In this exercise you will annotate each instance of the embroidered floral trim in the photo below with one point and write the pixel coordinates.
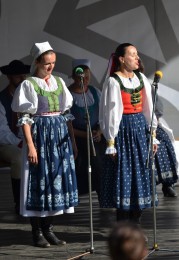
(141, 201)
(166, 175)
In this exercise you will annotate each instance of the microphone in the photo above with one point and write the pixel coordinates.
(79, 72)
(157, 76)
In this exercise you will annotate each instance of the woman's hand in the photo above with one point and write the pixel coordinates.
(32, 154)
(75, 149)
(96, 135)
(72, 137)
(155, 147)
(113, 156)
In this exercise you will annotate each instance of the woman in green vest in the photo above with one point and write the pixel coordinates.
(48, 175)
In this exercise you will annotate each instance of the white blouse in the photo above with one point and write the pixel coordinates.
(111, 105)
(25, 98)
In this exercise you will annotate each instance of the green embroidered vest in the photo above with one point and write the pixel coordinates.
(48, 101)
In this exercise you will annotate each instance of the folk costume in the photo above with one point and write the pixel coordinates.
(50, 187)
(165, 158)
(125, 116)
(78, 110)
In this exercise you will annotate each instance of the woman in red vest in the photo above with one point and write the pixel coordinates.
(125, 115)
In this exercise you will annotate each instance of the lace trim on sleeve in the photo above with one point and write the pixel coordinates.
(25, 119)
(68, 116)
(110, 150)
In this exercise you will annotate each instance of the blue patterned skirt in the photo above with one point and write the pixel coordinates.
(52, 183)
(127, 183)
(165, 159)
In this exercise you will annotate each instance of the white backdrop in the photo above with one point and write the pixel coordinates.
(93, 29)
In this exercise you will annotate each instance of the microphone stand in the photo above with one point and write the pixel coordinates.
(151, 155)
(89, 141)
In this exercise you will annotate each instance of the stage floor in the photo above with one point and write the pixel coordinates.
(15, 231)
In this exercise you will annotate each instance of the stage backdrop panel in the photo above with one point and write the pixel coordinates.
(93, 29)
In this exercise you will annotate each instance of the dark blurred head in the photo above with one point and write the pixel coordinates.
(15, 71)
(127, 242)
(86, 72)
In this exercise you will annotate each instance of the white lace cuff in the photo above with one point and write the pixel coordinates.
(69, 117)
(25, 119)
(155, 141)
(110, 150)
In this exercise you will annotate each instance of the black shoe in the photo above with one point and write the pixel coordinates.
(122, 215)
(135, 216)
(169, 191)
(47, 229)
(51, 237)
(39, 239)
(37, 235)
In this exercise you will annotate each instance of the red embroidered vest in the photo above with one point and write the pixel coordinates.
(132, 105)
(131, 98)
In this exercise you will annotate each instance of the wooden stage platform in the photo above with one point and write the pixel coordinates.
(15, 231)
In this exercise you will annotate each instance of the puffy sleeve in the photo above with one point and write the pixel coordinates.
(25, 98)
(25, 102)
(110, 112)
(67, 98)
(147, 103)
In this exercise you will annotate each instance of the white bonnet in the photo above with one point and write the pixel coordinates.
(79, 62)
(36, 50)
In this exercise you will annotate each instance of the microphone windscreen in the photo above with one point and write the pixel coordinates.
(79, 71)
(159, 74)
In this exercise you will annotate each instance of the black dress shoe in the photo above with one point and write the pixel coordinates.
(122, 215)
(135, 216)
(169, 191)
(37, 235)
(39, 240)
(52, 239)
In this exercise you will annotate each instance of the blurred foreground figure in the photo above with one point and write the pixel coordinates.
(127, 242)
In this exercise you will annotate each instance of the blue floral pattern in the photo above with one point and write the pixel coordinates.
(52, 183)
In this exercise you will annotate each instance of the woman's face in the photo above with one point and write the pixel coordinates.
(46, 65)
(86, 79)
(130, 61)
